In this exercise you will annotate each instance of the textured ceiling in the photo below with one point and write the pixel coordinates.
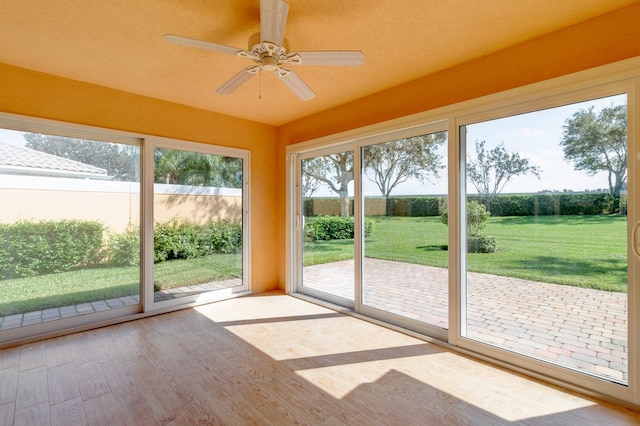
(118, 44)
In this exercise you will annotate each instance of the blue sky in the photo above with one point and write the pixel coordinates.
(535, 136)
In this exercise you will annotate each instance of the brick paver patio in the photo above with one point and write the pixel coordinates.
(576, 327)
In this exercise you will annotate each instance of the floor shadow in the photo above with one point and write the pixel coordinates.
(434, 247)
(555, 266)
(553, 220)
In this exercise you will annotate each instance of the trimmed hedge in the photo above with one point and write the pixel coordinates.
(415, 206)
(124, 249)
(588, 203)
(28, 248)
(324, 228)
(591, 203)
(175, 240)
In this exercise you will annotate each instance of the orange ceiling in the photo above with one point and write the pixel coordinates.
(119, 44)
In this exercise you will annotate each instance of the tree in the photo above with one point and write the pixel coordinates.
(333, 170)
(309, 185)
(120, 161)
(597, 142)
(192, 168)
(392, 163)
(492, 169)
(168, 166)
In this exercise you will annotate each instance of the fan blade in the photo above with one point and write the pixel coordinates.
(331, 57)
(273, 19)
(201, 44)
(237, 80)
(296, 84)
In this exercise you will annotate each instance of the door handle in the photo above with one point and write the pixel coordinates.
(634, 240)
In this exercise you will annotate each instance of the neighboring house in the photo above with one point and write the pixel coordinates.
(17, 160)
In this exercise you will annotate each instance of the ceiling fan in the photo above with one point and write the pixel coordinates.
(269, 50)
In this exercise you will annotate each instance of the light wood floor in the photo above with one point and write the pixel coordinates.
(271, 360)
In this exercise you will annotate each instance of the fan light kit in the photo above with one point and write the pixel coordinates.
(269, 50)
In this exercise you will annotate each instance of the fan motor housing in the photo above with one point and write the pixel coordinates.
(269, 63)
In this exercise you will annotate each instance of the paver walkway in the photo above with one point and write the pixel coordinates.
(576, 327)
(52, 314)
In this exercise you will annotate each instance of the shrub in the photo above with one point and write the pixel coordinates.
(220, 237)
(477, 217)
(124, 249)
(481, 244)
(166, 238)
(182, 240)
(33, 248)
(324, 228)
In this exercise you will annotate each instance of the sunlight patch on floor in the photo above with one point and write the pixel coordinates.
(301, 337)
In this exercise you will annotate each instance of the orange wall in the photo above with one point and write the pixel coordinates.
(603, 40)
(45, 96)
(599, 41)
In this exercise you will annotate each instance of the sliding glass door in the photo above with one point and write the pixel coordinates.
(546, 236)
(326, 225)
(371, 232)
(508, 229)
(198, 228)
(541, 234)
(404, 269)
(98, 225)
(69, 230)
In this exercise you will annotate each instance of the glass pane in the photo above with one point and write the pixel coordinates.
(197, 209)
(547, 236)
(327, 194)
(406, 242)
(69, 227)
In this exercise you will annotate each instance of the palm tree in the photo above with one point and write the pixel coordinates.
(197, 169)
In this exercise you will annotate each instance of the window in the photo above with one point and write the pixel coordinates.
(69, 227)
(371, 234)
(81, 223)
(527, 236)
(328, 224)
(404, 271)
(546, 215)
(198, 227)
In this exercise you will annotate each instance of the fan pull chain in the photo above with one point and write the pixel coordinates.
(259, 85)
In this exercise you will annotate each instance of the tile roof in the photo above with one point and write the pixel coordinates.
(27, 159)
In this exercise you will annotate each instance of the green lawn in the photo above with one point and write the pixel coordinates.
(585, 251)
(74, 287)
